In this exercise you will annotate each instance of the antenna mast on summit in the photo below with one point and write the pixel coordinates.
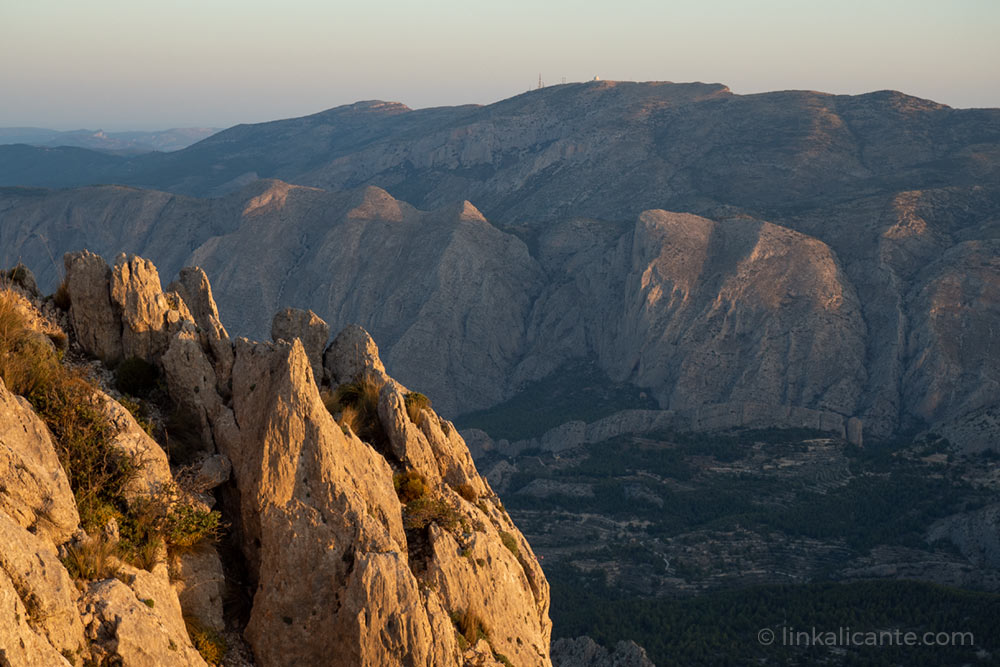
(539, 81)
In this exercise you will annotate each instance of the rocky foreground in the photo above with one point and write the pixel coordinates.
(355, 527)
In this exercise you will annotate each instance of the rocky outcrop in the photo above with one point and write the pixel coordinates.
(954, 346)
(585, 652)
(48, 617)
(36, 494)
(121, 313)
(193, 287)
(315, 499)
(292, 323)
(95, 321)
(352, 354)
(30, 565)
(341, 568)
(138, 623)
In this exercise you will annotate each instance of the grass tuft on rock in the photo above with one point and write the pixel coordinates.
(470, 626)
(416, 403)
(355, 405)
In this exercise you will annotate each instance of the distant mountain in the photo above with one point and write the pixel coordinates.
(839, 255)
(125, 143)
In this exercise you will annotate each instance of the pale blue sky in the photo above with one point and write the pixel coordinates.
(133, 64)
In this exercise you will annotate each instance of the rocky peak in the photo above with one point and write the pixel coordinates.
(367, 532)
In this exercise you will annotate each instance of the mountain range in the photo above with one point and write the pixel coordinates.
(124, 143)
(791, 258)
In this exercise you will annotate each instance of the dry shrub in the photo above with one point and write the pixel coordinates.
(409, 486)
(91, 560)
(28, 362)
(466, 491)
(416, 403)
(470, 626)
(426, 510)
(61, 297)
(209, 643)
(355, 404)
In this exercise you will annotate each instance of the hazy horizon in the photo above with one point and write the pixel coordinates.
(121, 66)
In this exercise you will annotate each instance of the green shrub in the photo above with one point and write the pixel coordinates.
(185, 525)
(409, 486)
(423, 511)
(416, 403)
(136, 377)
(510, 542)
(209, 643)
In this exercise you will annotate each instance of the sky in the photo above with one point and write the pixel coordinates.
(135, 64)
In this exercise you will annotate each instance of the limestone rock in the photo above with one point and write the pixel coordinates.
(352, 354)
(194, 288)
(956, 309)
(154, 475)
(22, 645)
(205, 473)
(20, 277)
(322, 528)
(192, 381)
(200, 582)
(585, 652)
(36, 493)
(292, 323)
(976, 534)
(312, 502)
(855, 431)
(127, 627)
(148, 316)
(95, 319)
(30, 565)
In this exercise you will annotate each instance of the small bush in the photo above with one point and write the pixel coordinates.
(510, 542)
(416, 403)
(91, 560)
(185, 525)
(61, 297)
(18, 276)
(470, 626)
(209, 643)
(136, 377)
(467, 492)
(423, 511)
(409, 486)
